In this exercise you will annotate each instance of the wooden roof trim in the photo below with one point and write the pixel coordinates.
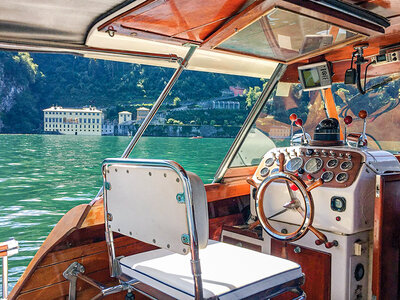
(142, 7)
(260, 8)
(246, 17)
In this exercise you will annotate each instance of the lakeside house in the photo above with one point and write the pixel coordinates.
(108, 127)
(141, 113)
(73, 121)
(124, 116)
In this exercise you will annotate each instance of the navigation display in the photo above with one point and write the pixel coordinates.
(315, 76)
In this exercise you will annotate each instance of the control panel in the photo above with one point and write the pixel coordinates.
(337, 167)
(344, 202)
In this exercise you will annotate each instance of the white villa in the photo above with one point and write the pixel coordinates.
(76, 121)
(124, 116)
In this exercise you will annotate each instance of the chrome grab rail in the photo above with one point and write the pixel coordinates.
(7, 248)
(194, 243)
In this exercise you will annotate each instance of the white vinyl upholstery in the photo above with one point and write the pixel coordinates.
(228, 271)
(141, 197)
(143, 203)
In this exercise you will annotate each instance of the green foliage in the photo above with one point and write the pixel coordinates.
(174, 122)
(253, 93)
(212, 117)
(177, 102)
(71, 81)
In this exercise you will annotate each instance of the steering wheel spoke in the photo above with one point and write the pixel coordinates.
(305, 206)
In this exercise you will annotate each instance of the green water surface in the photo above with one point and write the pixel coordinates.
(44, 176)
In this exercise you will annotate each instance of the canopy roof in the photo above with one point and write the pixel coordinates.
(244, 37)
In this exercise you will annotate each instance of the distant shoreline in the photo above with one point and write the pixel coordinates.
(151, 136)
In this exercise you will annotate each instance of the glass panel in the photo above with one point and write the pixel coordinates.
(285, 35)
(382, 104)
(272, 126)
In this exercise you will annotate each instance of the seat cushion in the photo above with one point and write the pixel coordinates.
(228, 271)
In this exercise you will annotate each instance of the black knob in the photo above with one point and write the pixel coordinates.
(300, 171)
(310, 151)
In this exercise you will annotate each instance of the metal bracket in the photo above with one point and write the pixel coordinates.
(71, 274)
(107, 185)
(184, 62)
(180, 198)
(185, 239)
(116, 270)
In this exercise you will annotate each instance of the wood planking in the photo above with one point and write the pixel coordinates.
(182, 19)
(216, 224)
(80, 235)
(316, 266)
(386, 247)
(51, 274)
(217, 191)
(68, 223)
(89, 249)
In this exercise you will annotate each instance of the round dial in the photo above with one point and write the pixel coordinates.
(294, 164)
(342, 177)
(339, 204)
(346, 165)
(276, 170)
(313, 165)
(327, 176)
(332, 163)
(269, 162)
(264, 172)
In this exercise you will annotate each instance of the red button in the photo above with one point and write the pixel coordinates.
(309, 177)
(323, 170)
(293, 187)
(338, 218)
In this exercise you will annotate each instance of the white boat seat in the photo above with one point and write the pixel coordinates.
(158, 202)
(228, 272)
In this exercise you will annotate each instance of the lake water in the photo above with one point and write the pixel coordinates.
(44, 176)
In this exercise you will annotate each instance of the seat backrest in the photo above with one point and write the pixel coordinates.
(147, 200)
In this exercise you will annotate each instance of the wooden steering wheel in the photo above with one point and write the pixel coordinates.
(307, 213)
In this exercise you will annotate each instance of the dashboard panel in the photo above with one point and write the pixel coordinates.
(338, 166)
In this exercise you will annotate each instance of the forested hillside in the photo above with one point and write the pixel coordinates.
(32, 82)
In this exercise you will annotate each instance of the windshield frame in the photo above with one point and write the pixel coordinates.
(247, 125)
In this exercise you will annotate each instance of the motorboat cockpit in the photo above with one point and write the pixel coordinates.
(305, 203)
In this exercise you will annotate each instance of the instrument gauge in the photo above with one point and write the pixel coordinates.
(294, 164)
(327, 176)
(276, 170)
(332, 163)
(264, 172)
(313, 165)
(342, 177)
(338, 203)
(346, 165)
(269, 162)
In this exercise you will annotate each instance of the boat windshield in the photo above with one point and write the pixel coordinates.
(272, 126)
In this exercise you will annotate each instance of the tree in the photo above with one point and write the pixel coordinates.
(177, 102)
(252, 95)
